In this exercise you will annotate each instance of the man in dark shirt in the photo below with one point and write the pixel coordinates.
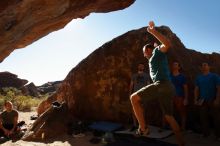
(8, 120)
(207, 98)
(180, 99)
(138, 81)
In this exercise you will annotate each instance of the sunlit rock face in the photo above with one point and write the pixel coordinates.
(25, 21)
(97, 88)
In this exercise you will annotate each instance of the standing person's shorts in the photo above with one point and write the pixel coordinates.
(163, 91)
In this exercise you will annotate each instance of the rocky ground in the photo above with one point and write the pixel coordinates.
(192, 139)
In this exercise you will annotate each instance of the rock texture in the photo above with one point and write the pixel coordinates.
(31, 90)
(97, 88)
(8, 79)
(53, 127)
(49, 87)
(25, 21)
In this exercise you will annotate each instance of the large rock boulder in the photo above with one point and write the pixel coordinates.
(97, 88)
(49, 87)
(50, 124)
(31, 90)
(8, 79)
(25, 21)
(36, 91)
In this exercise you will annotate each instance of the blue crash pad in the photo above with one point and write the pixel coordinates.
(105, 126)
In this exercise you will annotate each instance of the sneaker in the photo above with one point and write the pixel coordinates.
(139, 132)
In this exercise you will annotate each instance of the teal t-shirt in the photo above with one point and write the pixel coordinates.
(158, 65)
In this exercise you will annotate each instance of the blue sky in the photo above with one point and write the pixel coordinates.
(196, 23)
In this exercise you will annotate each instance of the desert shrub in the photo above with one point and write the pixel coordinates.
(2, 101)
(20, 102)
(10, 91)
(25, 103)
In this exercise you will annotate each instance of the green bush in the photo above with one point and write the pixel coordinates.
(24, 103)
(20, 102)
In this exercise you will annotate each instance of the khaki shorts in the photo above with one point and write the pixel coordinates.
(163, 91)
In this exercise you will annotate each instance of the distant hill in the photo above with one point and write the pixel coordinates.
(8, 79)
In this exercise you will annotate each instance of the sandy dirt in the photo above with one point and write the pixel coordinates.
(64, 140)
(192, 139)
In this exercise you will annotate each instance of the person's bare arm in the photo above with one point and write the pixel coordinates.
(217, 99)
(6, 132)
(165, 42)
(185, 87)
(14, 124)
(196, 94)
(1, 126)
